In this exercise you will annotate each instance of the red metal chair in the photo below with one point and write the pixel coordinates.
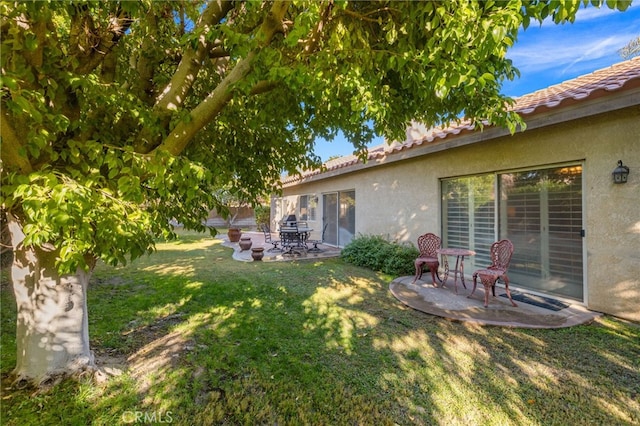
(428, 244)
(501, 252)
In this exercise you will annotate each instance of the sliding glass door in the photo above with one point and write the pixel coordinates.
(469, 216)
(339, 212)
(540, 211)
(330, 217)
(542, 216)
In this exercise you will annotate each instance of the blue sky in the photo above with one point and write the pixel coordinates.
(550, 54)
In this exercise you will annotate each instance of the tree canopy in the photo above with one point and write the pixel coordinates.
(118, 116)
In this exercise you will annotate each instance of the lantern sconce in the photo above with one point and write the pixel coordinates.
(620, 173)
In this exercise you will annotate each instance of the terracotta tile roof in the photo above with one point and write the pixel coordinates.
(607, 79)
(589, 86)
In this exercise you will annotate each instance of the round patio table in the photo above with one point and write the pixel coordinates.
(460, 254)
(294, 238)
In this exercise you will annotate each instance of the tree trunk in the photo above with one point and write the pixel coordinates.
(52, 332)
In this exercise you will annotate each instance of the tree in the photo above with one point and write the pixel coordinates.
(631, 49)
(119, 116)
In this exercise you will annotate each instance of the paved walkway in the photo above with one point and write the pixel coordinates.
(442, 301)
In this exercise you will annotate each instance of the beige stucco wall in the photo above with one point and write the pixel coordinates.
(402, 199)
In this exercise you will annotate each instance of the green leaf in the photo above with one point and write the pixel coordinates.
(498, 33)
(488, 76)
(9, 82)
(30, 42)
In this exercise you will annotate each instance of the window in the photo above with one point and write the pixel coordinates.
(307, 207)
(469, 215)
(540, 211)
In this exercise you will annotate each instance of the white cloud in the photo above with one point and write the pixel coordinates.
(550, 54)
(597, 49)
(596, 34)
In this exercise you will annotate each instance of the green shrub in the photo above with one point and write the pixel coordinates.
(377, 253)
(263, 214)
(400, 260)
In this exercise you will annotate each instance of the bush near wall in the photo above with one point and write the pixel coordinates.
(377, 253)
(263, 214)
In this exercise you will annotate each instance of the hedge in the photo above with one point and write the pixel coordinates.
(379, 254)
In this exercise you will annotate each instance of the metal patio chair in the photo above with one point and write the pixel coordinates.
(428, 244)
(501, 252)
(320, 241)
(292, 240)
(268, 239)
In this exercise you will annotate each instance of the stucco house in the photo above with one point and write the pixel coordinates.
(549, 189)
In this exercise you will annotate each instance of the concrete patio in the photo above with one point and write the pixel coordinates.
(257, 240)
(442, 301)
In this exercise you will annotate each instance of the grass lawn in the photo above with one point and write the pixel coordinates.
(203, 339)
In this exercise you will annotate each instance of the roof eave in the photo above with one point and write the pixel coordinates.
(540, 117)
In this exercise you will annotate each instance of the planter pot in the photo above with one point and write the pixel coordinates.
(257, 253)
(245, 243)
(234, 234)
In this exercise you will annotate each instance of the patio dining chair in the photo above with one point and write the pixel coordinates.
(292, 241)
(501, 252)
(428, 244)
(268, 239)
(320, 241)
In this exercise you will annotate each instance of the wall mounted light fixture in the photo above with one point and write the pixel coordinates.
(620, 173)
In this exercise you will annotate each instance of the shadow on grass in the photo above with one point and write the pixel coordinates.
(206, 340)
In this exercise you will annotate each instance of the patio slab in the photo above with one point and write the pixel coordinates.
(443, 302)
(257, 240)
